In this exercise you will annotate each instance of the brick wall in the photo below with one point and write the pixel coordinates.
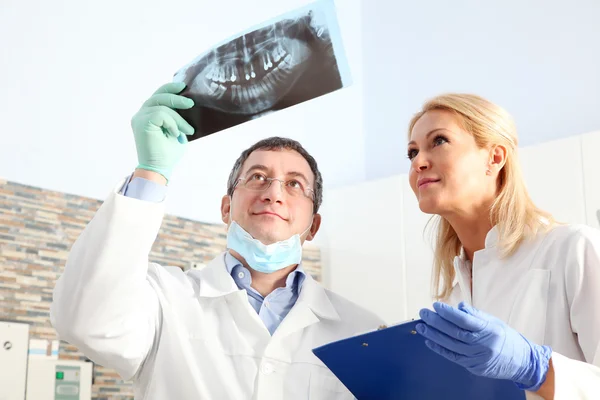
(37, 229)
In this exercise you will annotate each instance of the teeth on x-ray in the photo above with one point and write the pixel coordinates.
(229, 73)
(318, 23)
(252, 73)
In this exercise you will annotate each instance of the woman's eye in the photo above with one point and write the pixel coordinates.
(439, 140)
(412, 153)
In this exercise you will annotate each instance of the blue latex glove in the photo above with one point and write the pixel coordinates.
(159, 131)
(484, 345)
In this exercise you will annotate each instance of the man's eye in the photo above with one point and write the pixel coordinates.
(295, 184)
(257, 177)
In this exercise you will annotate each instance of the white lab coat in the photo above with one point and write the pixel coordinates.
(190, 335)
(549, 291)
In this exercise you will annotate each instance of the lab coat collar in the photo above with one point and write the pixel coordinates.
(463, 268)
(215, 281)
(491, 240)
(312, 306)
(313, 294)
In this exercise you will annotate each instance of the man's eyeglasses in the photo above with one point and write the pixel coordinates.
(294, 187)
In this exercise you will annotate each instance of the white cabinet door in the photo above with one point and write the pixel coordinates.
(14, 349)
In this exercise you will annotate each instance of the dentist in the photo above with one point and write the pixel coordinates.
(241, 328)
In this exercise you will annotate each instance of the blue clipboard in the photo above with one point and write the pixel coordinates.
(394, 363)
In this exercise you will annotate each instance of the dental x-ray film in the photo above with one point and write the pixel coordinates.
(288, 60)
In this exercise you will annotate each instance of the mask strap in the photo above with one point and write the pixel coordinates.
(312, 219)
(230, 210)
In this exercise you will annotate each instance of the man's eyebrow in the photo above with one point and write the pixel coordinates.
(266, 169)
(257, 166)
(299, 174)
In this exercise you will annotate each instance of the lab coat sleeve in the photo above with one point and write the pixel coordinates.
(103, 302)
(574, 379)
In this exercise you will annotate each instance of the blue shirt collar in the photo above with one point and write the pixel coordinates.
(293, 281)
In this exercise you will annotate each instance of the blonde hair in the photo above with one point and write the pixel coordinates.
(512, 212)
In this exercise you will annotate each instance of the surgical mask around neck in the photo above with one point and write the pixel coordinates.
(261, 257)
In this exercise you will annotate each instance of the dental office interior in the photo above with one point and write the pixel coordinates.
(73, 74)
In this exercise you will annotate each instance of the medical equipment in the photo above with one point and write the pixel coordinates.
(51, 379)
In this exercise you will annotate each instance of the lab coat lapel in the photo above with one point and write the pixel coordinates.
(312, 305)
(463, 276)
(217, 284)
(463, 268)
(214, 280)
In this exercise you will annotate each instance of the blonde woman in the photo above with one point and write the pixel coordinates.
(518, 294)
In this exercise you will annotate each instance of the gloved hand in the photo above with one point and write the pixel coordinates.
(159, 131)
(484, 345)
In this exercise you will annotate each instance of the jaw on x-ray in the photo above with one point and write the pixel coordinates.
(282, 63)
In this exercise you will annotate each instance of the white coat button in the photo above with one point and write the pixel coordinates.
(267, 369)
(241, 275)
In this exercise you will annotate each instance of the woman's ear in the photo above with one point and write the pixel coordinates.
(497, 158)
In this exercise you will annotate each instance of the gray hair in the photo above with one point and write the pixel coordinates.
(279, 143)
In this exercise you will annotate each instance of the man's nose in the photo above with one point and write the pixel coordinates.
(274, 192)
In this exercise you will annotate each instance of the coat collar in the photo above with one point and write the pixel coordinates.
(491, 240)
(313, 294)
(215, 281)
(463, 268)
(312, 306)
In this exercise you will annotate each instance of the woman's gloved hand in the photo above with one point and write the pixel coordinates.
(484, 345)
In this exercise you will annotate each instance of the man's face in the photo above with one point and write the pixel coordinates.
(279, 211)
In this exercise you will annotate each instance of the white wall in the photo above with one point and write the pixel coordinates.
(554, 175)
(73, 73)
(590, 146)
(358, 260)
(374, 248)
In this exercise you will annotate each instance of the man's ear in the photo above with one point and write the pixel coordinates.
(314, 228)
(225, 209)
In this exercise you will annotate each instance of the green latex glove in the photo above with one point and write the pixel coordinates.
(160, 132)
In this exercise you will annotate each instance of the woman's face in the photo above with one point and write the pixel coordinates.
(449, 173)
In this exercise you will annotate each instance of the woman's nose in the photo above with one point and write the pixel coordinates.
(420, 162)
